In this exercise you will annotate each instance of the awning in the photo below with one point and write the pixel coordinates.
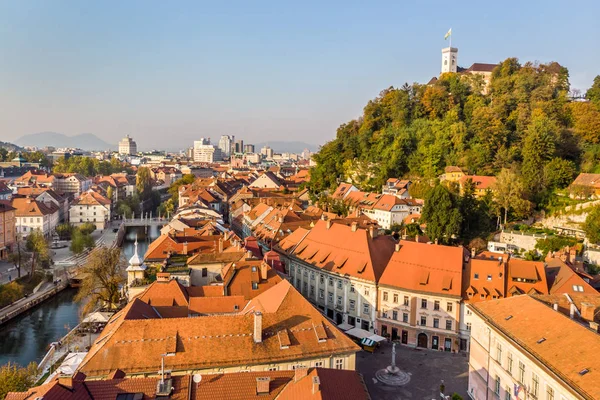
(98, 317)
(358, 333)
(376, 338)
(344, 326)
(368, 342)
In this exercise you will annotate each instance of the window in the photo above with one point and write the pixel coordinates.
(321, 293)
(330, 281)
(424, 303)
(423, 321)
(339, 363)
(499, 353)
(535, 385)
(549, 393)
(272, 368)
(521, 372)
(405, 300)
(577, 288)
(330, 297)
(489, 278)
(507, 392)
(436, 305)
(254, 286)
(305, 273)
(339, 301)
(396, 298)
(312, 290)
(305, 287)
(476, 276)
(318, 364)
(395, 315)
(204, 272)
(352, 289)
(366, 291)
(385, 296)
(38, 220)
(384, 314)
(321, 279)
(449, 307)
(449, 324)
(497, 387)
(352, 305)
(339, 284)
(436, 323)
(365, 309)
(509, 363)
(291, 269)
(405, 318)
(469, 326)
(312, 276)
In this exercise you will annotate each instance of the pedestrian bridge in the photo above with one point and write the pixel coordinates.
(144, 221)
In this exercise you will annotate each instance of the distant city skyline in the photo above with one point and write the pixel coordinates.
(169, 74)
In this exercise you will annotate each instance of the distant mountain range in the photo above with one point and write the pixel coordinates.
(289, 147)
(84, 141)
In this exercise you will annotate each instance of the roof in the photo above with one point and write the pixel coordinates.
(340, 249)
(481, 182)
(484, 279)
(568, 348)
(217, 341)
(592, 180)
(481, 67)
(91, 198)
(26, 207)
(423, 267)
(525, 277)
(452, 168)
(563, 279)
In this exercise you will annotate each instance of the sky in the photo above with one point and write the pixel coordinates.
(170, 72)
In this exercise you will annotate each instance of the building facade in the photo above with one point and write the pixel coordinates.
(225, 144)
(90, 207)
(7, 229)
(127, 146)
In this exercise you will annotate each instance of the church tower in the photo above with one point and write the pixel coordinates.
(449, 59)
(136, 269)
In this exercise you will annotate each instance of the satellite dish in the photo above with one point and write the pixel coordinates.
(197, 378)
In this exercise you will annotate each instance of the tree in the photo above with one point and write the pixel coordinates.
(442, 215)
(87, 228)
(14, 378)
(559, 173)
(593, 93)
(538, 149)
(18, 258)
(143, 182)
(64, 231)
(38, 246)
(110, 193)
(509, 194)
(475, 215)
(554, 243)
(103, 277)
(592, 225)
(81, 240)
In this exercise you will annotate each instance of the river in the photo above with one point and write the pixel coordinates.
(27, 337)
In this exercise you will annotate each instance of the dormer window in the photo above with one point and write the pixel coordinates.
(476, 276)
(254, 285)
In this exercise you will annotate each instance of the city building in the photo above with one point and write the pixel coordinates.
(267, 152)
(301, 383)
(5, 192)
(267, 180)
(127, 146)
(35, 215)
(238, 146)
(337, 267)
(90, 207)
(397, 187)
(225, 144)
(420, 296)
(206, 152)
(522, 348)
(390, 210)
(248, 148)
(482, 184)
(72, 183)
(7, 228)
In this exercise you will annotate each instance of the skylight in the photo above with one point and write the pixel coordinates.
(542, 340)
(509, 317)
(584, 371)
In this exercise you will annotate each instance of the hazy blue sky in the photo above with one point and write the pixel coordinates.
(170, 72)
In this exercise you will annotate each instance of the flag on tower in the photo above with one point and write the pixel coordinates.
(448, 34)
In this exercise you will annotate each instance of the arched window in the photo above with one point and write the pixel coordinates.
(445, 62)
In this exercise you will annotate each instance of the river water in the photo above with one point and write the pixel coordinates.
(27, 337)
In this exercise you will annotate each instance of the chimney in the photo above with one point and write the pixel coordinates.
(185, 250)
(354, 226)
(473, 252)
(555, 306)
(66, 381)
(588, 310)
(316, 382)
(163, 277)
(436, 241)
(397, 249)
(263, 271)
(249, 254)
(280, 219)
(417, 238)
(328, 223)
(572, 311)
(299, 373)
(594, 326)
(257, 327)
(220, 245)
(263, 385)
(372, 232)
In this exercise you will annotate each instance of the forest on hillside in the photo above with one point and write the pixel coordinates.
(524, 125)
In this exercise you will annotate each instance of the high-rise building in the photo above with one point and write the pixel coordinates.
(206, 152)
(248, 148)
(267, 152)
(239, 146)
(127, 146)
(225, 144)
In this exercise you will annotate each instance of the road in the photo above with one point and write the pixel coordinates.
(47, 287)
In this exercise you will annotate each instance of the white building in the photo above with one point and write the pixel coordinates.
(34, 215)
(267, 152)
(225, 144)
(449, 59)
(206, 152)
(90, 207)
(127, 146)
(523, 349)
(391, 210)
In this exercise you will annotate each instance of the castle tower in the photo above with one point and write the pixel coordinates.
(136, 268)
(449, 59)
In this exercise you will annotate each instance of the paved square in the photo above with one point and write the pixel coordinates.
(426, 367)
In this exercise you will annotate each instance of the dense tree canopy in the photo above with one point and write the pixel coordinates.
(524, 122)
